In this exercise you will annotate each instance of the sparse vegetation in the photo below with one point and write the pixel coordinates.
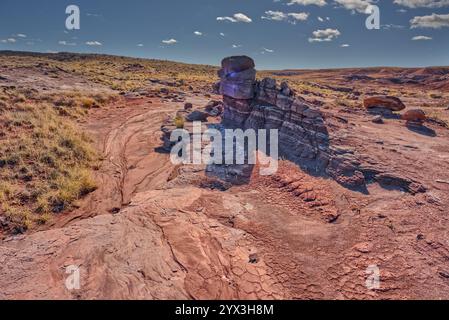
(45, 160)
(179, 122)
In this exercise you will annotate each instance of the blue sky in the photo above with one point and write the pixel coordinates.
(288, 35)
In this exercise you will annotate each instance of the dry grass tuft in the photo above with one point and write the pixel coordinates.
(45, 160)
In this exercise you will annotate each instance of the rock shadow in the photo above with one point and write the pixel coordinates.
(421, 129)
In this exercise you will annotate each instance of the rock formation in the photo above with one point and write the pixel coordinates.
(303, 135)
(265, 105)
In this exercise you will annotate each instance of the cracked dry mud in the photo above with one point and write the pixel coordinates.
(151, 232)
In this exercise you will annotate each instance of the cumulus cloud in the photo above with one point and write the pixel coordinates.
(423, 3)
(222, 34)
(198, 33)
(238, 17)
(325, 35)
(94, 43)
(355, 5)
(435, 21)
(140, 45)
(345, 45)
(21, 35)
(419, 38)
(170, 41)
(235, 46)
(291, 17)
(319, 3)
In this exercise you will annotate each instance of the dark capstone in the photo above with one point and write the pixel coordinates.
(237, 64)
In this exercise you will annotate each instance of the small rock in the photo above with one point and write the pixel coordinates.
(197, 116)
(364, 247)
(253, 258)
(415, 115)
(378, 119)
(164, 91)
(188, 106)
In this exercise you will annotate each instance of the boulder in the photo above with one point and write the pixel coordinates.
(387, 102)
(378, 120)
(414, 115)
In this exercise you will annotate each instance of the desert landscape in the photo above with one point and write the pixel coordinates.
(86, 179)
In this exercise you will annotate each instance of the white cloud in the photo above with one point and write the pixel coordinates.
(198, 33)
(345, 45)
(140, 45)
(320, 19)
(291, 17)
(418, 38)
(222, 34)
(355, 5)
(300, 16)
(423, 3)
(319, 3)
(94, 43)
(236, 46)
(325, 35)
(238, 17)
(65, 43)
(21, 35)
(170, 41)
(266, 50)
(9, 40)
(275, 15)
(434, 21)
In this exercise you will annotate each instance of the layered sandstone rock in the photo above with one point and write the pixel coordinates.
(303, 136)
